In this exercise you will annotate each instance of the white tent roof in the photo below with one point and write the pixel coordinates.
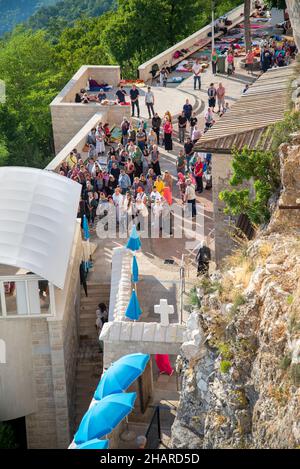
(38, 212)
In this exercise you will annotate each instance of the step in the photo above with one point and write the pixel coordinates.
(95, 284)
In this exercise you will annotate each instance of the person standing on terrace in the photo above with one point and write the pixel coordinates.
(168, 130)
(182, 123)
(188, 109)
(156, 123)
(212, 93)
(221, 97)
(149, 101)
(134, 96)
(214, 61)
(121, 93)
(249, 61)
(197, 77)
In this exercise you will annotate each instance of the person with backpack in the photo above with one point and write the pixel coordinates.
(212, 93)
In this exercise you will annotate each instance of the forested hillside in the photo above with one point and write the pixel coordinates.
(56, 17)
(36, 64)
(17, 11)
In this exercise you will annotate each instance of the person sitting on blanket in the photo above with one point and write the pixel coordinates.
(101, 95)
(94, 84)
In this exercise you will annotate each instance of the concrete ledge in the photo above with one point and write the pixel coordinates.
(117, 331)
(69, 117)
(78, 142)
(121, 287)
(144, 69)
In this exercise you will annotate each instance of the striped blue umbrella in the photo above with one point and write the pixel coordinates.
(135, 270)
(134, 242)
(94, 444)
(133, 310)
(121, 374)
(103, 416)
(86, 231)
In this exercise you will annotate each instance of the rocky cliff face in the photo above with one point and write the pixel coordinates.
(241, 359)
(293, 7)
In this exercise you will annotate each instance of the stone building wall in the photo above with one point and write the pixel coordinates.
(54, 347)
(293, 7)
(221, 173)
(41, 425)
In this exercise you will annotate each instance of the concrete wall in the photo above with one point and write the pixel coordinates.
(68, 117)
(120, 283)
(78, 142)
(38, 380)
(221, 172)
(109, 74)
(17, 393)
(144, 69)
(41, 424)
(139, 337)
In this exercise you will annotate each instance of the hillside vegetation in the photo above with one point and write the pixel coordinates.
(17, 11)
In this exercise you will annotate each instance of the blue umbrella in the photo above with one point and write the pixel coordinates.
(133, 310)
(121, 374)
(135, 270)
(103, 416)
(94, 444)
(134, 242)
(85, 226)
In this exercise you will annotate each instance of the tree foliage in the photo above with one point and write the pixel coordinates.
(55, 18)
(16, 11)
(7, 436)
(32, 80)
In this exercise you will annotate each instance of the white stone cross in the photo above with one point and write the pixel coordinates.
(164, 310)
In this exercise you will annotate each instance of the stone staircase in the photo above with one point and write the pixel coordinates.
(89, 359)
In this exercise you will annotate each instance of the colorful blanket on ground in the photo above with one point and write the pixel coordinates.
(139, 83)
(98, 88)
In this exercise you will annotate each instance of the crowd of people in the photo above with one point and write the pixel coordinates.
(128, 174)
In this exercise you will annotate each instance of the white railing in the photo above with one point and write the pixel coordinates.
(26, 296)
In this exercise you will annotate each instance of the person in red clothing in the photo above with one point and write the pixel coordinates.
(198, 172)
(168, 130)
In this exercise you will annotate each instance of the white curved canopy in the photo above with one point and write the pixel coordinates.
(38, 212)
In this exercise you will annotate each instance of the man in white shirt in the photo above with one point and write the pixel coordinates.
(197, 70)
(118, 201)
(149, 101)
(155, 196)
